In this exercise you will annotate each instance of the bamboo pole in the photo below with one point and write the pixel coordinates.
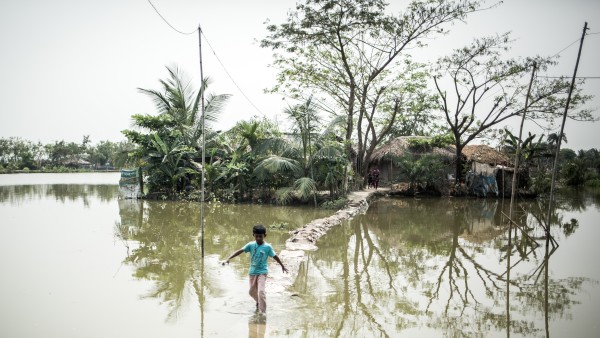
(560, 136)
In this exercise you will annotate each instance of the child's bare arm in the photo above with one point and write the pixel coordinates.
(276, 258)
(235, 254)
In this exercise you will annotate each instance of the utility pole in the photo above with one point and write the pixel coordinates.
(513, 191)
(203, 139)
(560, 136)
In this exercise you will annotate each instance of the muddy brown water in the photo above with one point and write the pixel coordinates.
(77, 261)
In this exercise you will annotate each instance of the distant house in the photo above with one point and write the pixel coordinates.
(488, 168)
(78, 164)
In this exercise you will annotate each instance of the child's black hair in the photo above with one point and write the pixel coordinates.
(259, 229)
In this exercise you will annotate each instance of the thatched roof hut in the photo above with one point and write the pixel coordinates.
(402, 145)
(485, 154)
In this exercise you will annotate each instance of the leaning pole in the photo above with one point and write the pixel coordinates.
(560, 136)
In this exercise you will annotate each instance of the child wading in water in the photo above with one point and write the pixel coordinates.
(259, 252)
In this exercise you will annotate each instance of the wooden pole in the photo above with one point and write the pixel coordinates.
(560, 136)
(513, 191)
(203, 139)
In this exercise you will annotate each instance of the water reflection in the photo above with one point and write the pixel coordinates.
(430, 268)
(17, 194)
(160, 239)
(437, 267)
(257, 326)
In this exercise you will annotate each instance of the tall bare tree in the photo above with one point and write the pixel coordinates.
(479, 88)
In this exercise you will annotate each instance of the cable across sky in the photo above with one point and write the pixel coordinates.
(213, 50)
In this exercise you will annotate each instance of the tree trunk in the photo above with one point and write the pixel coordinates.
(458, 169)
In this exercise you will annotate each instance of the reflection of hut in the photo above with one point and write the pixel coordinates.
(386, 156)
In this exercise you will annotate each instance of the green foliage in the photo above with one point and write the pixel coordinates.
(541, 183)
(594, 183)
(18, 154)
(423, 172)
(573, 172)
(335, 204)
(168, 144)
(426, 144)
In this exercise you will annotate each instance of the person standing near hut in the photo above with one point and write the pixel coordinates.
(375, 175)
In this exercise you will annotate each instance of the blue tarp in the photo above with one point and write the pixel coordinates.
(482, 185)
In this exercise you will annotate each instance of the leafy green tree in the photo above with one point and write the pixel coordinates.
(352, 56)
(574, 170)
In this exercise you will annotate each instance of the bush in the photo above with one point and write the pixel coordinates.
(335, 204)
(595, 183)
(541, 183)
(425, 172)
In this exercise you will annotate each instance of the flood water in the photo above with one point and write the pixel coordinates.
(77, 261)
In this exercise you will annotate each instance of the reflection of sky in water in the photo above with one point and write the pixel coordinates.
(80, 262)
(437, 267)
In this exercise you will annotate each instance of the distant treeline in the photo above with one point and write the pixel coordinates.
(17, 154)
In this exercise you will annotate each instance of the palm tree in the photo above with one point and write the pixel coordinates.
(290, 161)
(178, 100)
(169, 142)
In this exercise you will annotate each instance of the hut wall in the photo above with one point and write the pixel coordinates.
(483, 168)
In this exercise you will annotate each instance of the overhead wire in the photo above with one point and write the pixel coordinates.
(167, 22)
(230, 77)
(214, 53)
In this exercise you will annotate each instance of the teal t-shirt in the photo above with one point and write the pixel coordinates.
(258, 257)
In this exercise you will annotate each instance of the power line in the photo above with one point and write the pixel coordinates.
(562, 50)
(577, 77)
(215, 54)
(167, 22)
(230, 77)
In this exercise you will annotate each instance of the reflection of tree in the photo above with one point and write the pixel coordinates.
(440, 264)
(160, 238)
(165, 251)
(60, 192)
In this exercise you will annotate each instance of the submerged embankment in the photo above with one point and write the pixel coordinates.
(305, 238)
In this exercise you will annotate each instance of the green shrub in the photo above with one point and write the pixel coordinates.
(595, 183)
(335, 204)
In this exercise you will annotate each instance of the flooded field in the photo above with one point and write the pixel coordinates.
(80, 262)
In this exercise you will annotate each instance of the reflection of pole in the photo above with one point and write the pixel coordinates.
(513, 191)
(203, 138)
(547, 263)
(508, 254)
(560, 136)
(202, 298)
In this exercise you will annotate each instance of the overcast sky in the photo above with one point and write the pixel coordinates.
(72, 67)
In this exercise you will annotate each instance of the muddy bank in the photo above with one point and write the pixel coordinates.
(305, 238)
